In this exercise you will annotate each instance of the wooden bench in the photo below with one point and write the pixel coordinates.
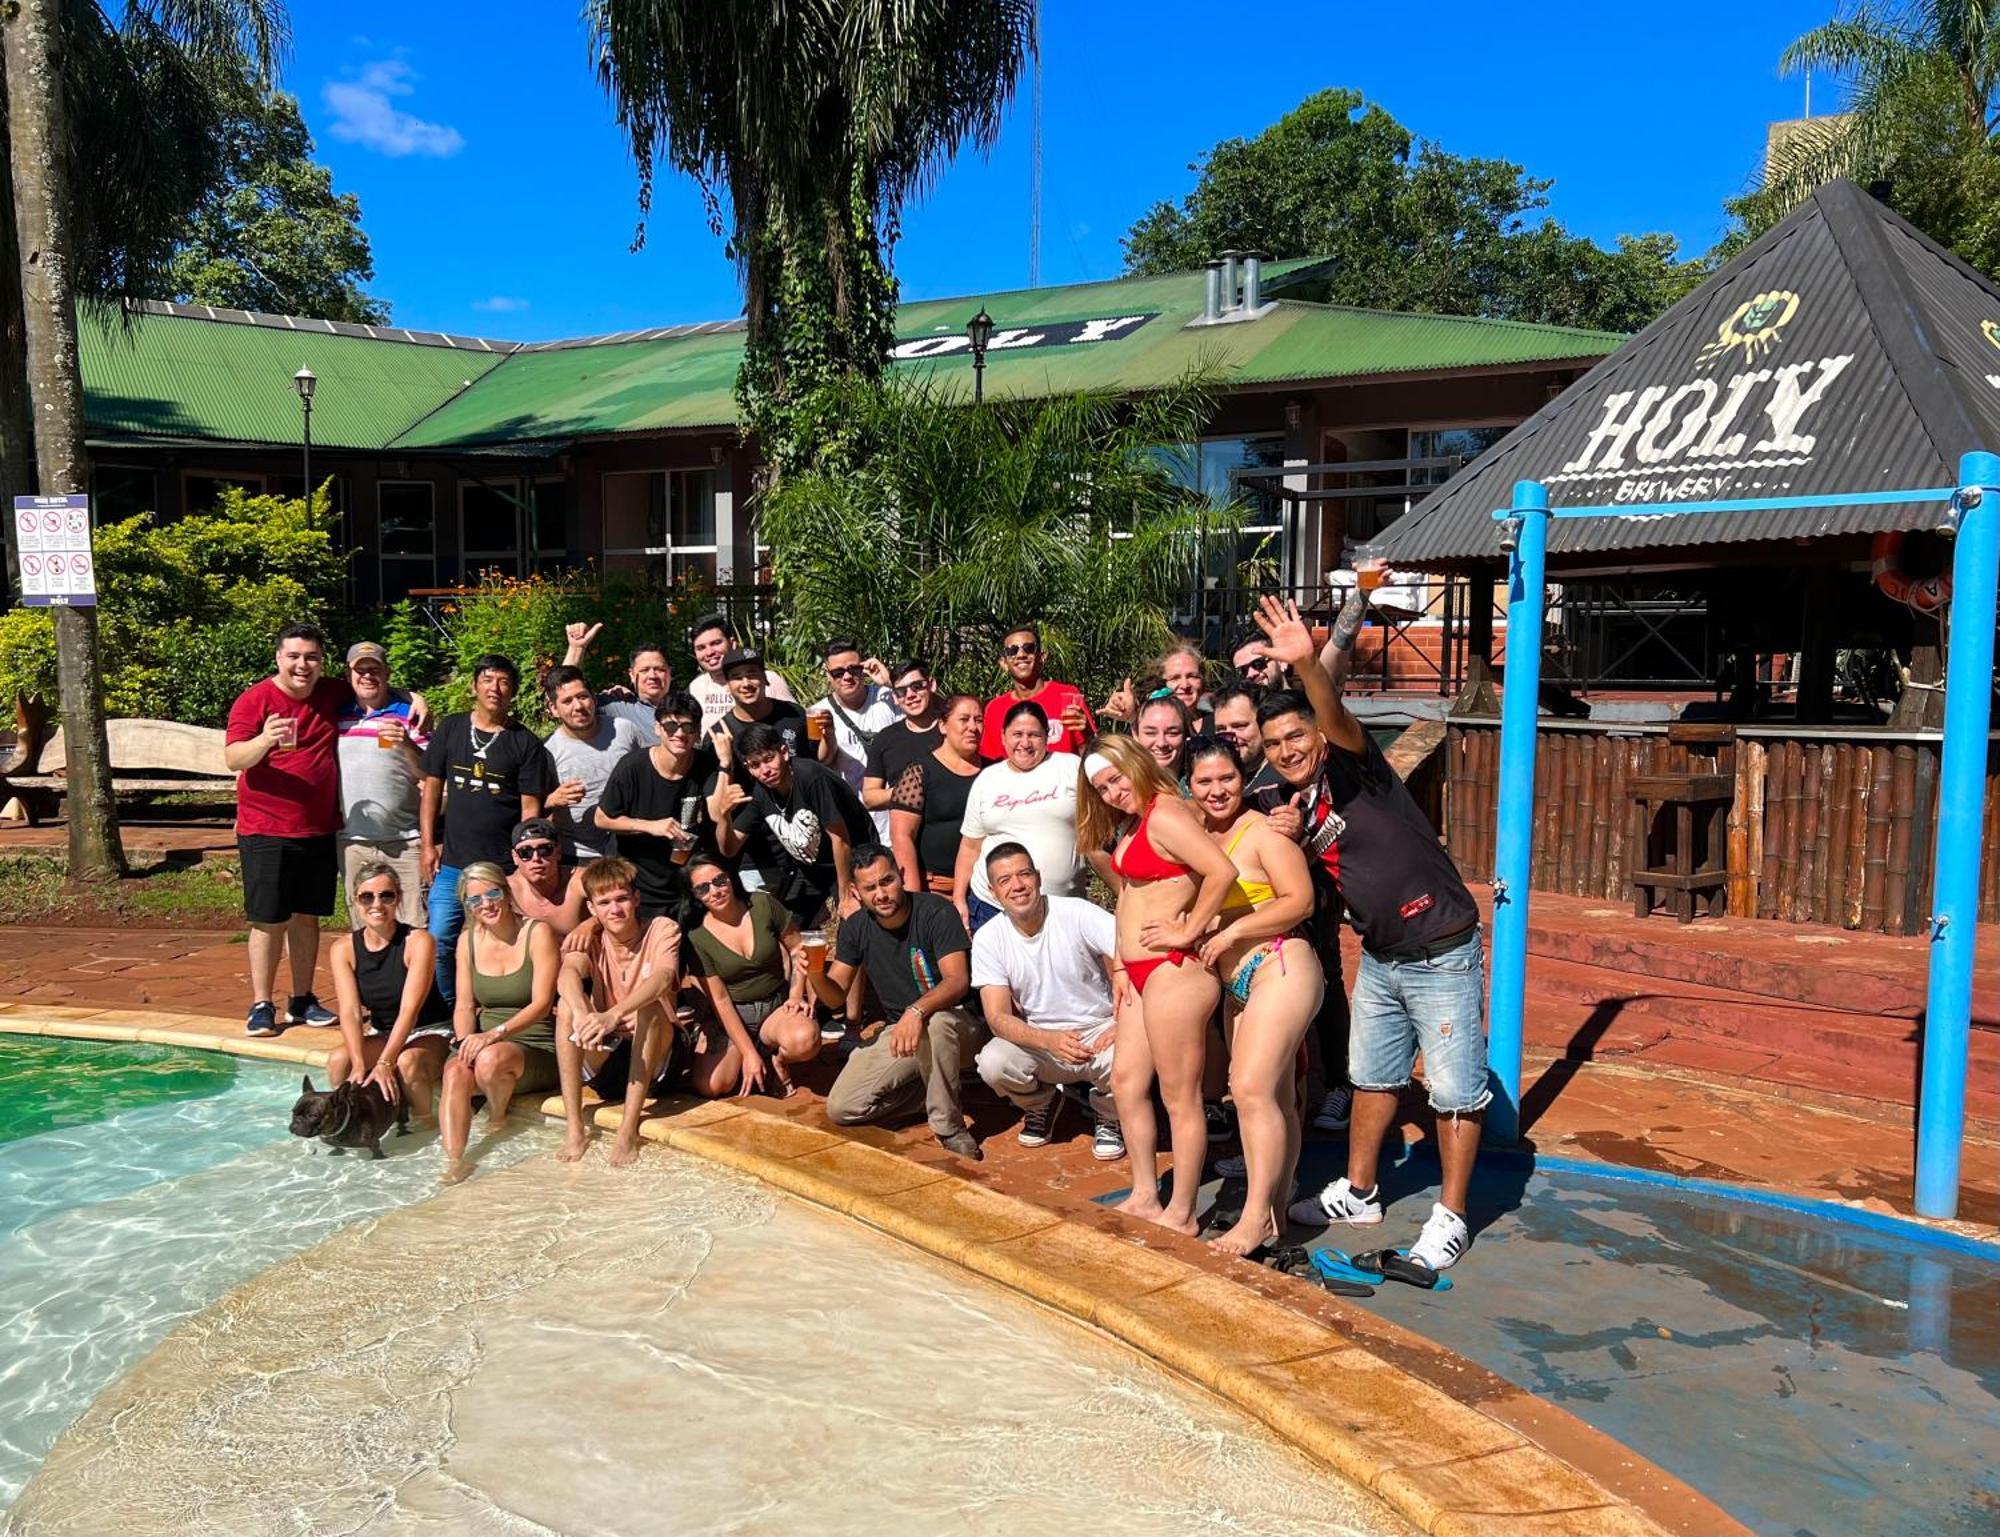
(1694, 803)
(158, 756)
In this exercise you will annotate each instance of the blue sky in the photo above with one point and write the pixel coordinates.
(500, 199)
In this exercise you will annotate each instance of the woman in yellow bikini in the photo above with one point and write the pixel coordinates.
(1271, 984)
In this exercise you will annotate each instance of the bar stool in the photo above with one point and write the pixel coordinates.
(1696, 805)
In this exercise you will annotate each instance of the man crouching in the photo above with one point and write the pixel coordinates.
(614, 1008)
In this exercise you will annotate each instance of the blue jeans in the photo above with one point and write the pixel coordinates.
(980, 912)
(1438, 1005)
(447, 918)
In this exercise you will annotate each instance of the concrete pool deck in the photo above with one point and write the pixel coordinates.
(1451, 1447)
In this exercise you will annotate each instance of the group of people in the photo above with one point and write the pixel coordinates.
(702, 889)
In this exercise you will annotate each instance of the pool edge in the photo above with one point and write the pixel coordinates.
(1468, 1454)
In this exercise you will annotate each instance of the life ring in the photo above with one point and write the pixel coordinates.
(1925, 594)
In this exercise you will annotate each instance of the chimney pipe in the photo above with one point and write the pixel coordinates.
(1229, 298)
(1253, 281)
(1211, 291)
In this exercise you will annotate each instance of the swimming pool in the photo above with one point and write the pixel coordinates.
(549, 1348)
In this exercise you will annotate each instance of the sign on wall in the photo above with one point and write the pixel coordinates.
(52, 538)
(1060, 333)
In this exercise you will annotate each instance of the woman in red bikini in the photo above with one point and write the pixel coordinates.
(1171, 880)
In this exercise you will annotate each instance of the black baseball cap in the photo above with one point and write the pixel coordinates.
(534, 827)
(742, 656)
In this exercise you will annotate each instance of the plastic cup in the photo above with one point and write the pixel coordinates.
(815, 948)
(815, 727)
(1370, 569)
(288, 731)
(389, 735)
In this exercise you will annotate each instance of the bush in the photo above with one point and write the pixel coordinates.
(188, 611)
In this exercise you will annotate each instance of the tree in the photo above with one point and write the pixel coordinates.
(945, 525)
(1408, 226)
(64, 241)
(1921, 113)
(815, 123)
(272, 234)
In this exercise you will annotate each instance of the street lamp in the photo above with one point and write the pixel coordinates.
(979, 331)
(305, 381)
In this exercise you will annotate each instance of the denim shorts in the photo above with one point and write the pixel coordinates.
(1436, 1005)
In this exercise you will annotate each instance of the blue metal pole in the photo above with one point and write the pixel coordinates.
(1975, 572)
(1528, 520)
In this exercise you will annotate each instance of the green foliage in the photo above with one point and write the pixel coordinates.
(189, 610)
(1921, 113)
(272, 234)
(1408, 226)
(935, 527)
(815, 124)
(416, 651)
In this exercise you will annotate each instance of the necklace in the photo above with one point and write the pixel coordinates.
(479, 748)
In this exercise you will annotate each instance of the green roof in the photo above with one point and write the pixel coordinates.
(181, 374)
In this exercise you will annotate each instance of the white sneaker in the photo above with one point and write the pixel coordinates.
(1443, 1241)
(1336, 1108)
(1338, 1203)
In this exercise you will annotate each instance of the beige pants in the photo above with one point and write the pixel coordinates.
(876, 1084)
(358, 854)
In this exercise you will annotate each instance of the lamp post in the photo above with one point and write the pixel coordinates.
(979, 331)
(305, 381)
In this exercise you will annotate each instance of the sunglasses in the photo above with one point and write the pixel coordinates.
(483, 900)
(703, 888)
(677, 728)
(1032, 648)
(914, 686)
(376, 898)
(534, 850)
(844, 672)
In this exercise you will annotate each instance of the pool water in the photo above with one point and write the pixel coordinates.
(138, 1184)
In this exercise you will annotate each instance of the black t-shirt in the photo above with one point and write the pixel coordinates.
(1365, 832)
(896, 748)
(943, 804)
(485, 775)
(786, 834)
(638, 789)
(790, 723)
(902, 964)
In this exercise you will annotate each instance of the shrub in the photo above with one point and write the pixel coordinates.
(188, 610)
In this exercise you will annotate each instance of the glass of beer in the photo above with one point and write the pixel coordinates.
(389, 733)
(815, 727)
(1370, 569)
(814, 946)
(288, 731)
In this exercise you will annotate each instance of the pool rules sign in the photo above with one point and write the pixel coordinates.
(52, 537)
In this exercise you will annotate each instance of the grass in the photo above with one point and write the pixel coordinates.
(167, 893)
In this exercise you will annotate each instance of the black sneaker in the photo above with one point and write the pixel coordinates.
(1221, 1120)
(1039, 1124)
(964, 1144)
(263, 1019)
(305, 1009)
(1107, 1142)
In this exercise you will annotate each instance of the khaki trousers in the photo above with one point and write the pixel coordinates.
(876, 1084)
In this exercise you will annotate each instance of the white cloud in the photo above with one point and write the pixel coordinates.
(364, 114)
(500, 304)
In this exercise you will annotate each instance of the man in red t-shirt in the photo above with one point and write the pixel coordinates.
(282, 743)
(1070, 721)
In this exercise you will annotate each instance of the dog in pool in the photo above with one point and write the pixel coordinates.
(353, 1115)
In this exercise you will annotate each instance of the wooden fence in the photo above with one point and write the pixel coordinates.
(1825, 826)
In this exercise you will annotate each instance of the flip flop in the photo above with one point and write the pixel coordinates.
(1396, 1265)
(1333, 1265)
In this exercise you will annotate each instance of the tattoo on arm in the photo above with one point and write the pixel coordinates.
(1347, 623)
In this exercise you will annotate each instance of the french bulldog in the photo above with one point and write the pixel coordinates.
(353, 1115)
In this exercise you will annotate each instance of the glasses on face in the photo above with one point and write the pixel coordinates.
(913, 686)
(534, 850)
(375, 898)
(481, 900)
(1026, 648)
(703, 888)
(676, 728)
(843, 672)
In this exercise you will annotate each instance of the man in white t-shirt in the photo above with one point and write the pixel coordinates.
(1047, 972)
(1028, 797)
(857, 705)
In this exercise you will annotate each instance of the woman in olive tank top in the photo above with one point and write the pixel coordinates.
(504, 1023)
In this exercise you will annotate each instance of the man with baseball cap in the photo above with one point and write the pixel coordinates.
(537, 882)
(754, 703)
(381, 782)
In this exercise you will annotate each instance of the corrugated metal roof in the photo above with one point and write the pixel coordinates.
(689, 382)
(229, 381)
(1841, 353)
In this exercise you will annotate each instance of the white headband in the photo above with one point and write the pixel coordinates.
(1094, 765)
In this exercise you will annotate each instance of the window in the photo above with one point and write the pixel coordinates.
(295, 486)
(489, 528)
(661, 522)
(1207, 467)
(548, 525)
(408, 539)
(1462, 443)
(119, 491)
(202, 489)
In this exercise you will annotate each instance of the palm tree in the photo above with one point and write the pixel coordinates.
(54, 49)
(814, 121)
(1921, 81)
